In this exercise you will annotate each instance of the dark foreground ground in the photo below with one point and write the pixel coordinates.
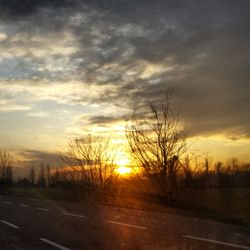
(44, 224)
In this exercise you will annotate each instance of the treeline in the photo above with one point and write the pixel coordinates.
(204, 175)
(187, 174)
(192, 178)
(6, 170)
(47, 177)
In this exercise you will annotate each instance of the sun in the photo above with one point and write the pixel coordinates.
(123, 168)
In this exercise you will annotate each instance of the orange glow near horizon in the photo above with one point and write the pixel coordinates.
(122, 170)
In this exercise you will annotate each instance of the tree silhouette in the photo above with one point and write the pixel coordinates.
(32, 176)
(48, 175)
(157, 140)
(5, 167)
(41, 178)
(91, 160)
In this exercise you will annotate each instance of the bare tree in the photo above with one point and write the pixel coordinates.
(56, 177)
(157, 140)
(91, 160)
(232, 166)
(194, 176)
(32, 176)
(5, 167)
(48, 176)
(219, 168)
(41, 178)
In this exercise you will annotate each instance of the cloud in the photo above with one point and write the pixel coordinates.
(15, 8)
(38, 114)
(8, 104)
(37, 157)
(105, 119)
(122, 52)
(9, 108)
(71, 92)
(25, 159)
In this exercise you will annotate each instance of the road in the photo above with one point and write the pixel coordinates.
(42, 224)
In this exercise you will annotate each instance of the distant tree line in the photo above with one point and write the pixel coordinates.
(5, 167)
(43, 177)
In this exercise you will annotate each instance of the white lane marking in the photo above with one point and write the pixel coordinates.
(75, 215)
(23, 205)
(42, 209)
(8, 202)
(125, 224)
(9, 224)
(52, 243)
(216, 242)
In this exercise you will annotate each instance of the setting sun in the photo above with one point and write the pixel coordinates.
(123, 170)
(122, 166)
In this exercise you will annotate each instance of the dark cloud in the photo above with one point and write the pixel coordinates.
(102, 120)
(15, 8)
(34, 158)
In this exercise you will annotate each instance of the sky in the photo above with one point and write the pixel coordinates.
(69, 68)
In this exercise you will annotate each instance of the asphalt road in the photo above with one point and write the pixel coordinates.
(42, 224)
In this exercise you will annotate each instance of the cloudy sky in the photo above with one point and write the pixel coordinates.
(68, 68)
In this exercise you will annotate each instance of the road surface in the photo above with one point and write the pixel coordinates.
(30, 224)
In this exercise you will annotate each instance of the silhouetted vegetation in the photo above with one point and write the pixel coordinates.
(90, 161)
(5, 167)
(219, 188)
(157, 142)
